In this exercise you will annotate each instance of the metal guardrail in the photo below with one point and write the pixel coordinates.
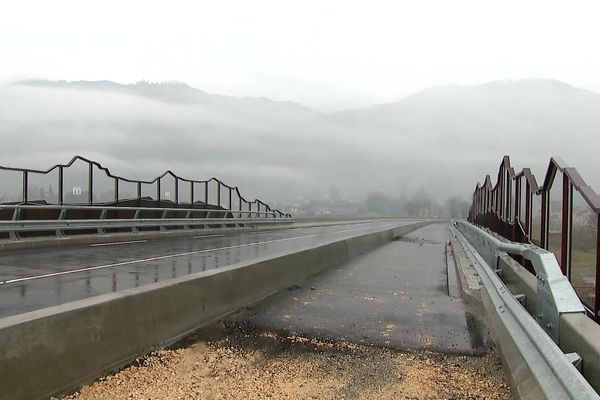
(555, 295)
(561, 215)
(540, 369)
(99, 200)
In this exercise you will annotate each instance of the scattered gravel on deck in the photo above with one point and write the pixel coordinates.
(264, 365)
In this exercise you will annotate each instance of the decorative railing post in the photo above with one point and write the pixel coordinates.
(25, 187)
(567, 226)
(517, 201)
(90, 183)
(597, 286)
(116, 190)
(528, 199)
(61, 187)
(509, 199)
(545, 217)
(158, 191)
(176, 190)
(219, 193)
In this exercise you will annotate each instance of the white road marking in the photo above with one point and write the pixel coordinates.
(73, 271)
(117, 243)
(205, 236)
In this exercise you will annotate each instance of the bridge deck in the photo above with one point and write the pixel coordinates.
(339, 335)
(32, 279)
(395, 296)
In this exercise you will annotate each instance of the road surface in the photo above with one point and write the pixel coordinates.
(32, 279)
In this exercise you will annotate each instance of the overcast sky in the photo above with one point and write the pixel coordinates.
(326, 54)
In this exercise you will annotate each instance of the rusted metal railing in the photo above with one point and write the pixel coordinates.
(560, 215)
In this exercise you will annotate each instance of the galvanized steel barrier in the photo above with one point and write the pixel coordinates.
(537, 367)
(561, 215)
(555, 296)
(83, 196)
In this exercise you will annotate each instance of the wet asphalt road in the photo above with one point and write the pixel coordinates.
(38, 278)
(395, 296)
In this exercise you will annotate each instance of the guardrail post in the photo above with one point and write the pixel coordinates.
(567, 226)
(187, 216)
(61, 216)
(136, 215)
(101, 231)
(164, 216)
(14, 235)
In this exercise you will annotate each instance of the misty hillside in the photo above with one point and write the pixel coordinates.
(441, 140)
(487, 116)
(531, 120)
(177, 93)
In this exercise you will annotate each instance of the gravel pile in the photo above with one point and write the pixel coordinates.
(238, 364)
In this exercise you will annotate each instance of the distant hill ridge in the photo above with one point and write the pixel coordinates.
(168, 91)
(179, 92)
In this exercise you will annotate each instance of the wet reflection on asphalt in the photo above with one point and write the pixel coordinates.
(37, 278)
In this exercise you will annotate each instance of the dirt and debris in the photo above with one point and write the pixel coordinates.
(233, 361)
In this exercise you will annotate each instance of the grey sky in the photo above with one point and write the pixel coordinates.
(328, 55)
